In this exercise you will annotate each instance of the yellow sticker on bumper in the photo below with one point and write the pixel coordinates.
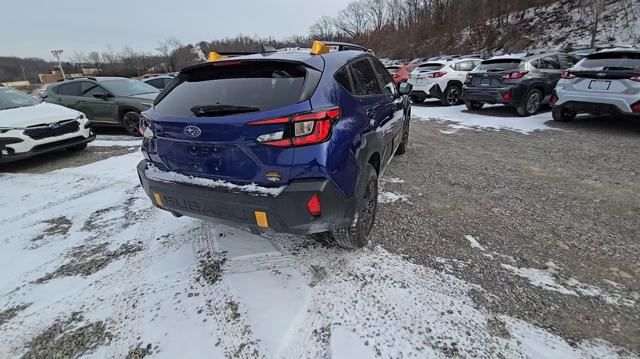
(158, 199)
(261, 219)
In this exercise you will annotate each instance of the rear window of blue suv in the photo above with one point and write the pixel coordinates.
(237, 88)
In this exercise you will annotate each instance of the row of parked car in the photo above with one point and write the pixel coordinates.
(606, 81)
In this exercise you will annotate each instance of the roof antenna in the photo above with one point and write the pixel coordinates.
(267, 48)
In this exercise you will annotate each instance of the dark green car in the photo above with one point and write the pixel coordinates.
(107, 101)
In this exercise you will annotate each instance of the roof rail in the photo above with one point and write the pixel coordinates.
(323, 47)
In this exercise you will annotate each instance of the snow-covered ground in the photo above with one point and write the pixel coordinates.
(495, 117)
(87, 240)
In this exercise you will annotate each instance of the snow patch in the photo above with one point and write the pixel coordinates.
(390, 197)
(474, 243)
(489, 118)
(156, 174)
(102, 143)
(548, 279)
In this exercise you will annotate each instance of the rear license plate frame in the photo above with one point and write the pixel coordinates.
(599, 85)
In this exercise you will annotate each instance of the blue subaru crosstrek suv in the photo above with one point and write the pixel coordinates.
(281, 141)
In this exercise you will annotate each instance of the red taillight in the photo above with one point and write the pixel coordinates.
(553, 99)
(515, 75)
(313, 205)
(300, 130)
(635, 77)
(567, 75)
(435, 75)
(636, 107)
(506, 96)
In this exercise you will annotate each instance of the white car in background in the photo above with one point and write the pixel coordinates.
(441, 79)
(29, 127)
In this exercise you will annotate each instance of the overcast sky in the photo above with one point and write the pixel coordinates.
(32, 28)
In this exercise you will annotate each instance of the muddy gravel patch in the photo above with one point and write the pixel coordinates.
(88, 259)
(8, 314)
(58, 226)
(140, 351)
(68, 338)
(210, 267)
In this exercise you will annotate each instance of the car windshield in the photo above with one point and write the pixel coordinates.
(10, 98)
(242, 88)
(499, 65)
(624, 61)
(128, 87)
(430, 67)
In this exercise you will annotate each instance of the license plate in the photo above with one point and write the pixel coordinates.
(599, 85)
(485, 82)
(419, 81)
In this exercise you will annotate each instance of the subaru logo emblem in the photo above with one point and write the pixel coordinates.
(54, 125)
(192, 131)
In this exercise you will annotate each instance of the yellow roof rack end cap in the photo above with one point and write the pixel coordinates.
(214, 56)
(319, 48)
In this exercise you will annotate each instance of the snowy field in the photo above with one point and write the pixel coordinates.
(90, 268)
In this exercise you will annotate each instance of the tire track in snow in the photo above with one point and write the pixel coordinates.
(234, 335)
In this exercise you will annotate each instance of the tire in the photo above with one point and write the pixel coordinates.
(402, 149)
(474, 105)
(530, 103)
(416, 99)
(451, 95)
(561, 114)
(131, 122)
(76, 148)
(357, 236)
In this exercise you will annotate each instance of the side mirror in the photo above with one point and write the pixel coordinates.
(405, 88)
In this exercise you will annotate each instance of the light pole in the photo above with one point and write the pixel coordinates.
(57, 54)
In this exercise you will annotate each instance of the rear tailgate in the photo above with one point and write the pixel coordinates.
(202, 122)
(490, 73)
(608, 72)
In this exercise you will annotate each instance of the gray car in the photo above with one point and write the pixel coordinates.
(160, 81)
(606, 82)
(110, 101)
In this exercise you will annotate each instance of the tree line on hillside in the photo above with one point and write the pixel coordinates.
(392, 28)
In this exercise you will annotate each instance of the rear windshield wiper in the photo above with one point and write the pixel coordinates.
(221, 110)
(618, 68)
(495, 70)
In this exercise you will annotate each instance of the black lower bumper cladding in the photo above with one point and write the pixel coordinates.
(10, 156)
(286, 212)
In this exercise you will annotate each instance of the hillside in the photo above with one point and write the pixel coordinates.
(566, 24)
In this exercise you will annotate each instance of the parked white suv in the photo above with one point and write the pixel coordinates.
(606, 82)
(441, 79)
(29, 127)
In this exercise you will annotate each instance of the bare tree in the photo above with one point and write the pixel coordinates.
(79, 59)
(354, 19)
(377, 12)
(94, 58)
(324, 28)
(597, 8)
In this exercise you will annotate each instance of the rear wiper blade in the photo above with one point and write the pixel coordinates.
(618, 68)
(495, 70)
(221, 110)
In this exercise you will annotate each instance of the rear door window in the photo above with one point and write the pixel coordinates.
(567, 61)
(157, 83)
(549, 63)
(342, 77)
(70, 89)
(364, 79)
(612, 61)
(388, 86)
(250, 86)
(499, 65)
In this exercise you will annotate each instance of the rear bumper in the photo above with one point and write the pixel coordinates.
(596, 108)
(286, 213)
(42, 148)
(427, 90)
(494, 95)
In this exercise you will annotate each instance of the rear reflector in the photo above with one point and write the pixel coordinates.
(158, 199)
(636, 107)
(635, 77)
(313, 205)
(553, 99)
(261, 219)
(506, 96)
